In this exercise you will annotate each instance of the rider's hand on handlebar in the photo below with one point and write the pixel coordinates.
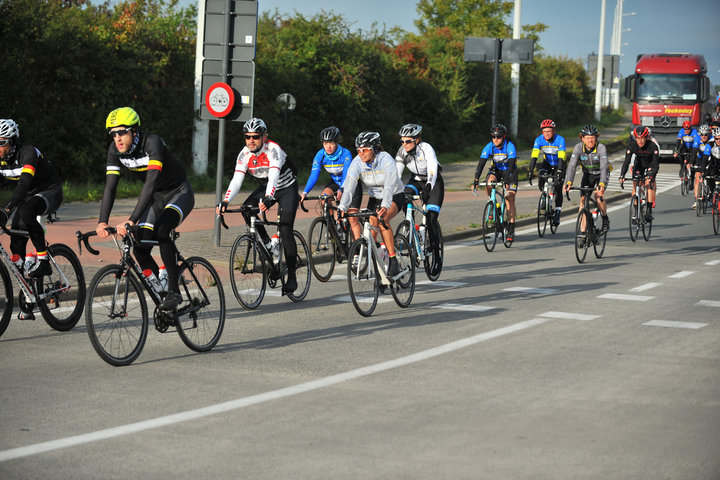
(530, 178)
(121, 229)
(221, 207)
(101, 230)
(302, 197)
(267, 202)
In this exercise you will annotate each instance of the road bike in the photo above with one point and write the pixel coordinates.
(329, 237)
(704, 195)
(640, 210)
(116, 314)
(253, 267)
(419, 237)
(546, 205)
(715, 203)
(686, 175)
(367, 271)
(495, 217)
(588, 227)
(60, 296)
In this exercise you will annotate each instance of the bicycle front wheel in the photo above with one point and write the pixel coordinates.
(362, 280)
(646, 212)
(634, 217)
(201, 315)
(583, 223)
(715, 215)
(60, 296)
(116, 315)
(434, 256)
(699, 199)
(302, 269)
(600, 237)
(322, 249)
(684, 182)
(404, 229)
(248, 275)
(489, 232)
(403, 288)
(6, 302)
(542, 215)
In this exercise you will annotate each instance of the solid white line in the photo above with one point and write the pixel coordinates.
(364, 299)
(713, 262)
(338, 277)
(263, 397)
(569, 316)
(644, 287)
(708, 303)
(441, 283)
(463, 308)
(683, 274)
(530, 290)
(672, 324)
(622, 296)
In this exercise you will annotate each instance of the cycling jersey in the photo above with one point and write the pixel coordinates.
(553, 150)
(594, 162)
(503, 158)
(336, 165)
(686, 140)
(421, 161)
(379, 176)
(646, 157)
(699, 147)
(269, 166)
(32, 172)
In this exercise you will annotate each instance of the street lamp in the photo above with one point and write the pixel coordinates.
(616, 43)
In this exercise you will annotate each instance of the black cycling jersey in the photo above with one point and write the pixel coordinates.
(646, 157)
(26, 165)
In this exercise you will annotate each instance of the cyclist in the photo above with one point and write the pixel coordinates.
(553, 148)
(376, 169)
(336, 159)
(38, 192)
(165, 201)
(426, 180)
(709, 162)
(504, 166)
(268, 163)
(647, 162)
(592, 157)
(685, 139)
(704, 138)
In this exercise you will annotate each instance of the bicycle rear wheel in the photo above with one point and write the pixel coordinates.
(60, 296)
(584, 221)
(116, 315)
(634, 217)
(201, 315)
(362, 280)
(715, 215)
(542, 215)
(433, 261)
(489, 232)
(6, 301)
(322, 249)
(600, 237)
(302, 269)
(403, 288)
(646, 212)
(248, 275)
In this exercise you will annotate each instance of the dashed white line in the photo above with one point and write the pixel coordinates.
(441, 283)
(708, 303)
(569, 315)
(674, 324)
(463, 308)
(622, 296)
(364, 299)
(644, 287)
(530, 290)
(713, 262)
(683, 274)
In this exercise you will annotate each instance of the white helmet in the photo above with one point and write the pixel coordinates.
(255, 125)
(410, 130)
(8, 128)
(716, 132)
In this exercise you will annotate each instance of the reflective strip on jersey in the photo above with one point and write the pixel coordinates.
(112, 170)
(155, 165)
(28, 169)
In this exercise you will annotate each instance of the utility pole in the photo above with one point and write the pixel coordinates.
(600, 63)
(201, 132)
(515, 74)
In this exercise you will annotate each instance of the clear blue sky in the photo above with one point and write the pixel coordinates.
(573, 25)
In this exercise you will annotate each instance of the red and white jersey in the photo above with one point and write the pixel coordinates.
(269, 166)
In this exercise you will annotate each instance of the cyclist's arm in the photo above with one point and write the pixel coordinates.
(655, 162)
(314, 171)
(604, 165)
(392, 183)
(25, 181)
(237, 179)
(112, 178)
(350, 184)
(626, 164)
(433, 166)
(572, 165)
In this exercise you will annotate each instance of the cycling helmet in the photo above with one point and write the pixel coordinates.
(704, 129)
(716, 132)
(686, 124)
(589, 129)
(410, 130)
(8, 128)
(498, 130)
(122, 117)
(368, 139)
(255, 125)
(330, 134)
(547, 123)
(640, 132)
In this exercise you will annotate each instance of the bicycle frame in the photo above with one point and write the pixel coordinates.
(370, 240)
(410, 217)
(328, 215)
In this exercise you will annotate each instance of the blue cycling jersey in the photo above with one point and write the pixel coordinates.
(500, 156)
(554, 150)
(687, 138)
(335, 164)
(700, 145)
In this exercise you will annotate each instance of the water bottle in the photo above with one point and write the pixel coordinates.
(163, 278)
(30, 260)
(275, 248)
(421, 233)
(18, 261)
(594, 214)
(384, 255)
(152, 279)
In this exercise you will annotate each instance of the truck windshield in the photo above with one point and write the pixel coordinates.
(665, 87)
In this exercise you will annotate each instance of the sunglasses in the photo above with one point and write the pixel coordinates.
(364, 149)
(119, 132)
(407, 141)
(496, 136)
(4, 142)
(252, 137)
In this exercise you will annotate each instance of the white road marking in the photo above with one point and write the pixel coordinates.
(569, 316)
(683, 274)
(381, 299)
(530, 290)
(441, 283)
(622, 296)
(713, 262)
(463, 308)
(708, 303)
(644, 287)
(672, 324)
(166, 420)
(338, 277)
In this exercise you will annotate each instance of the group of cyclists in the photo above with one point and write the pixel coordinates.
(699, 151)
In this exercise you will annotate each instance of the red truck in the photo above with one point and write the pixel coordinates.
(667, 89)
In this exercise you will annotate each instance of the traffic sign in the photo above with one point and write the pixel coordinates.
(241, 78)
(243, 29)
(220, 99)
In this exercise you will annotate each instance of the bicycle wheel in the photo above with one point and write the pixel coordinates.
(362, 281)
(403, 288)
(61, 295)
(6, 301)
(646, 212)
(581, 236)
(434, 259)
(715, 216)
(551, 214)
(684, 189)
(705, 199)
(404, 230)
(699, 198)
(116, 315)
(634, 217)
(505, 226)
(201, 315)
(542, 215)
(489, 231)
(322, 249)
(302, 268)
(248, 274)
(600, 237)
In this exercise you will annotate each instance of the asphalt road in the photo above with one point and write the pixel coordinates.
(517, 364)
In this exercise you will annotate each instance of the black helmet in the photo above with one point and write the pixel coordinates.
(410, 130)
(589, 129)
(498, 130)
(368, 139)
(330, 134)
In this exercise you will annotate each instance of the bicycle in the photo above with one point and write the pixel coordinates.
(716, 204)
(60, 296)
(546, 205)
(496, 217)
(116, 314)
(703, 196)
(367, 272)
(588, 216)
(640, 211)
(418, 236)
(253, 267)
(329, 239)
(686, 176)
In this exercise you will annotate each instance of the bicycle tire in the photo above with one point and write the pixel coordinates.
(302, 269)
(684, 188)
(323, 251)
(248, 272)
(581, 237)
(433, 262)
(7, 301)
(404, 229)
(698, 200)
(489, 232)
(542, 214)
(63, 303)
(200, 318)
(647, 222)
(715, 215)
(118, 336)
(551, 214)
(362, 280)
(505, 226)
(403, 288)
(705, 199)
(634, 217)
(600, 237)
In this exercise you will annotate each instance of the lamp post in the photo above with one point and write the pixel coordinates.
(616, 44)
